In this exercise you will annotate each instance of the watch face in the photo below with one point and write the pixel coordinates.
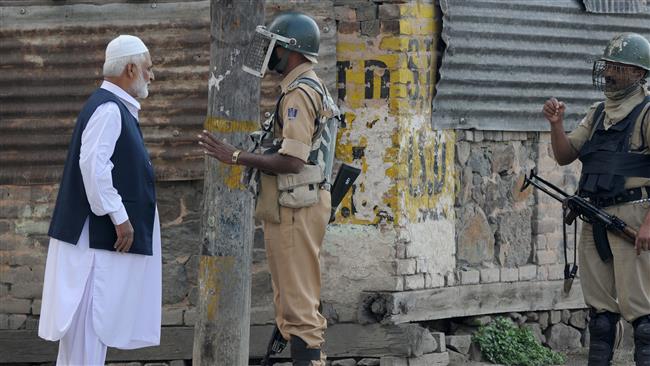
(235, 156)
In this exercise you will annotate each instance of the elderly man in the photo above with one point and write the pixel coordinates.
(103, 273)
(612, 142)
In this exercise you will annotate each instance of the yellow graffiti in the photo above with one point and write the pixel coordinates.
(399, 70)
(428, 168)
(417, 10)
(355, 95)
(356, 77)
(392, 60)
(212, 271)
(342, 47)
(398, 90)
(231, 175)
(214, 124)
(394, 43)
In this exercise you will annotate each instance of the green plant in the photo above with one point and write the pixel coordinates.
(503, 342)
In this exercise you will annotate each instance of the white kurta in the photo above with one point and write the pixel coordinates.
(126, 289)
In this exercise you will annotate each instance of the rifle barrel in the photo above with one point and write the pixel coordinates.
(543, 189)
(580, 206)
(548, 184)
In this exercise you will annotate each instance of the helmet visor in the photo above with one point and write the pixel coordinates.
(259, 51)
(608, 76)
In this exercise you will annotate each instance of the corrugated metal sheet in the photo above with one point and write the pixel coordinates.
(51, 61)
(52, 58)
(505, 58)
(615, 6)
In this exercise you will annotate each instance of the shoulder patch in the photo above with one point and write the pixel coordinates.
(292, 113)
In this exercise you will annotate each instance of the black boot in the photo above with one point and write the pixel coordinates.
(602, 331)
(301, 355)
(642, 341)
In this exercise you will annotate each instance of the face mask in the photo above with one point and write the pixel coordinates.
(278, 64)
(623, 93)
(274, 59)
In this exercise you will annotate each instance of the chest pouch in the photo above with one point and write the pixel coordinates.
(301, 189)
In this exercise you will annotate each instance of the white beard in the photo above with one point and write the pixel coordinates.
(141, 87)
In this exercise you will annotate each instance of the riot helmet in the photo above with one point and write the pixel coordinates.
(619, 71)
(291, 30)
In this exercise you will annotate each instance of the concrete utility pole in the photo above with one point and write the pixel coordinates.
(222, 330)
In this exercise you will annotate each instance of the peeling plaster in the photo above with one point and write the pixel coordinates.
(374, 186)
(216, 81)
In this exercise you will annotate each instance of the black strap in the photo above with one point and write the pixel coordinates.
(570, 272)
(277, 109)
(644, 143)
(598, 118)
(632, 194)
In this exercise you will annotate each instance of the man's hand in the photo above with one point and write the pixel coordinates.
(124, 240)
(554, 111)
(219, 150)
(643, 237)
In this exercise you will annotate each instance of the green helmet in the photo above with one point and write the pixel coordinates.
(630, 49)
(301, 28)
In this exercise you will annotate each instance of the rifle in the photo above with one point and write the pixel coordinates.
(344, 179)
(276, 345)
(574, 206)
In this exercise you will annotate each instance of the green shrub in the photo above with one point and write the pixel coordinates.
(503, 342)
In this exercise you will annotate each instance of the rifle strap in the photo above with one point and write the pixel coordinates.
(569, 271)
(575, 249)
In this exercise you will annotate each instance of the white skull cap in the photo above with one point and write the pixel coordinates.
(125, 45)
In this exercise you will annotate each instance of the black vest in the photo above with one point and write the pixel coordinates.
(133, 177)
(606, 157)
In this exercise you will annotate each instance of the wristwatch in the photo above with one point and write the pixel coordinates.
(235, 156)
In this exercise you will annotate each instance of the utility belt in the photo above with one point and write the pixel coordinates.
(629, 195)
(601, 240)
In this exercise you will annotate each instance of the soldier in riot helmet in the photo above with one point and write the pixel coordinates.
(612, 142)
(290, 168)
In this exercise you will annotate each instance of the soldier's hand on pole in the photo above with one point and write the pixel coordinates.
(643, 238)
(554, 110)
(219, 150)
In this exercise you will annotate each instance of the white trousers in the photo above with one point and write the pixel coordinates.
(80, 346)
